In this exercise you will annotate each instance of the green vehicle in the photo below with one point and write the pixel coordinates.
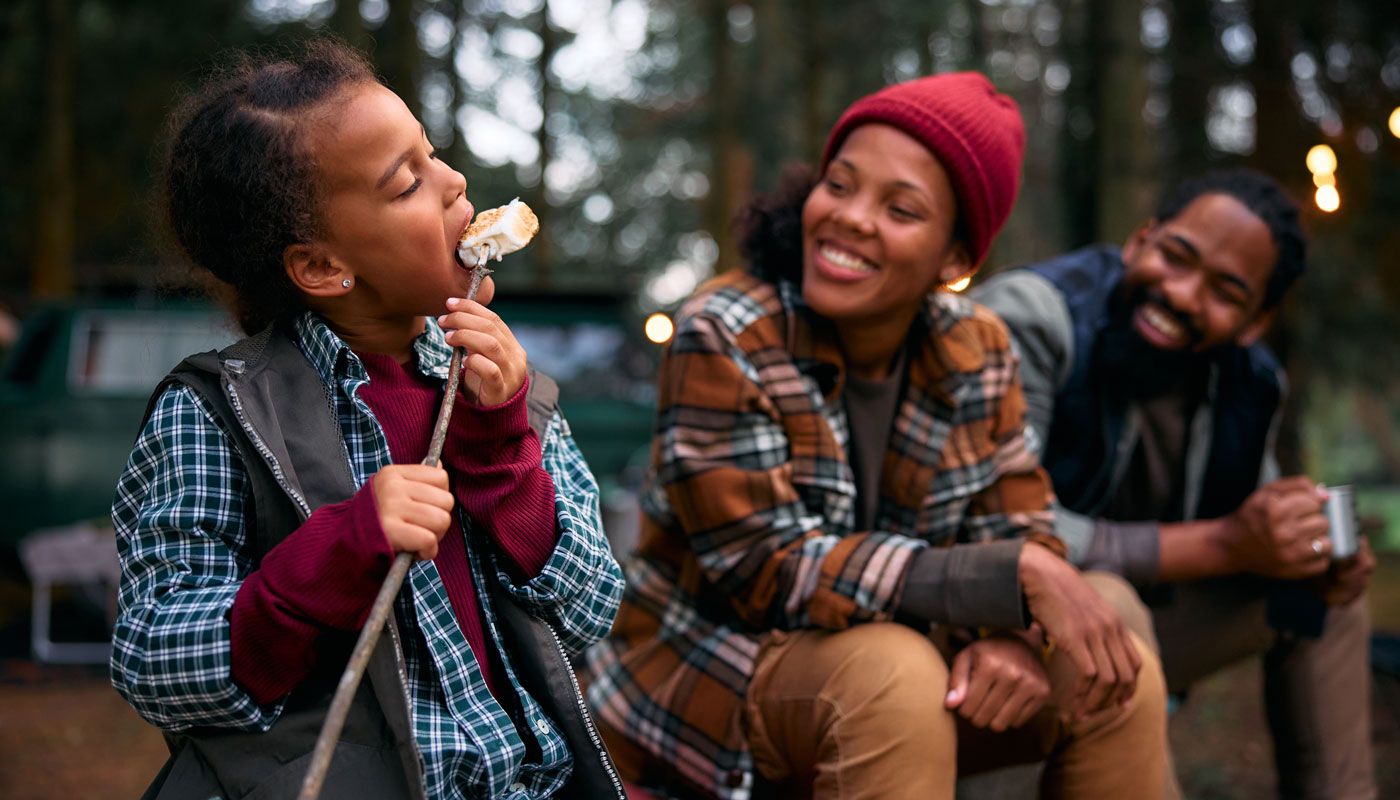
(72, 392)
(75, 385)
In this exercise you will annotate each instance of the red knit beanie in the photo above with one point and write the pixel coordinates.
(975, 133)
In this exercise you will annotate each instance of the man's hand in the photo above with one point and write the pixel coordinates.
(997, 683)
(415, 507)
(1280, 531)
(1081, 623)
(1348, 578)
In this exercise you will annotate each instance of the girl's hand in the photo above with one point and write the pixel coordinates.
(997, 683)
(415, 507)
(494, 369)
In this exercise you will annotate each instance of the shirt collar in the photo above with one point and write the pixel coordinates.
(811, 338)
(335, 361)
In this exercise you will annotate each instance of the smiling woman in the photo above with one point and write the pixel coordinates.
(839, 463)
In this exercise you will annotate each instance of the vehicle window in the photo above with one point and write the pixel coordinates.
(588, 359)
(128, 353)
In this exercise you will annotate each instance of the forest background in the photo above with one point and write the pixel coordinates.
(637, 128)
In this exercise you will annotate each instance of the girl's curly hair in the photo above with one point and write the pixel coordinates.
(238, 185)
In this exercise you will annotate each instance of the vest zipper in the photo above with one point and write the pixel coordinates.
(593, 734)
(393, 627)
(265, 452)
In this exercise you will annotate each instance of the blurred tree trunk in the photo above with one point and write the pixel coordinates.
(976, 38)
(1280, 140)
(398, 55)
(1127, 163)
(924, 29)
(460, 152)
(541, 256)
(814, 124)
(723, 102)
(347, 22)
(1283, 134)
(1193, 57)
(57, 201)
(1079, 135)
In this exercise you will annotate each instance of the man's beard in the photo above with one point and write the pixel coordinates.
(1131, 366)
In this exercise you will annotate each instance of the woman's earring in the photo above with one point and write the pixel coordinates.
(345, 283)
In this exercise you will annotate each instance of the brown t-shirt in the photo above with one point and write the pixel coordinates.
(871, 407)
(1153, 487)
(966, 584)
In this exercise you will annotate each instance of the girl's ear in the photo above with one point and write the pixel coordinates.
(313, 272)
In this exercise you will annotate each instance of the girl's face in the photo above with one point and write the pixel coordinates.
(393, 212)
(876, 230)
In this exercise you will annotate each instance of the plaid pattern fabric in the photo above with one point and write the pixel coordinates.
(749, 510)
(179, 513)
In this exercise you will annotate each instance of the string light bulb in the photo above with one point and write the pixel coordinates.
(1327, 198)
(1321, 159)
(659, 328)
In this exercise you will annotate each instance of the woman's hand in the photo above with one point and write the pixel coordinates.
(415, 507)
(494, 369)
(997, 683)
(1081, 623)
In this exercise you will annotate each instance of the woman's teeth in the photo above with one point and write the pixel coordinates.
(846, 260)
(1162, 323)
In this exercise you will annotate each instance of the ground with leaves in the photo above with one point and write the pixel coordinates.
(64, 733)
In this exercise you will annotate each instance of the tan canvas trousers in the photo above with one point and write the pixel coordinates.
(1316, 691)
(859, 714)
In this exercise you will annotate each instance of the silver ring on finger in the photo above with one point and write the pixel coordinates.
(1317, 546)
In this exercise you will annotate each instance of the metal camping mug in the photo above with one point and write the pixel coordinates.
(1341, 521)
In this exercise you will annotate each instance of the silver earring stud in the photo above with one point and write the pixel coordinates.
(345, 283)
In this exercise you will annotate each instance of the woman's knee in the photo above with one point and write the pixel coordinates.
(853, 705)
(1125, 600)
(886, 663)
(880, 670)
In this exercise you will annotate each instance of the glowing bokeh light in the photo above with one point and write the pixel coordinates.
(659, 328)
(1321, 159)
(960, 284)
(1395, 122)
(1327, 198)
(1324, 179)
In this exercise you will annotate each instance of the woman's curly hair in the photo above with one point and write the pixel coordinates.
(238, 185)
(769, 228)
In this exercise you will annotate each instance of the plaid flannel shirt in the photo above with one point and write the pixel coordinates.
(179, 513)
(750, 508)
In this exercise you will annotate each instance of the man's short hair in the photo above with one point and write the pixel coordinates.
(1268, 201)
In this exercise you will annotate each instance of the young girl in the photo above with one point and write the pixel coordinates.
(273, 482)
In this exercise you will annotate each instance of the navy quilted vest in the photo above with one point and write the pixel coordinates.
(1088, 424)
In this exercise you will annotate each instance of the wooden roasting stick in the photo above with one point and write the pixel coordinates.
(493, 243)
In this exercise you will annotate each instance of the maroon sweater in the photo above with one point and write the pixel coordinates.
(325, 575)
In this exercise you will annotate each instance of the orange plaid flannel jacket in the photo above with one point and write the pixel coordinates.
(749, 509)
